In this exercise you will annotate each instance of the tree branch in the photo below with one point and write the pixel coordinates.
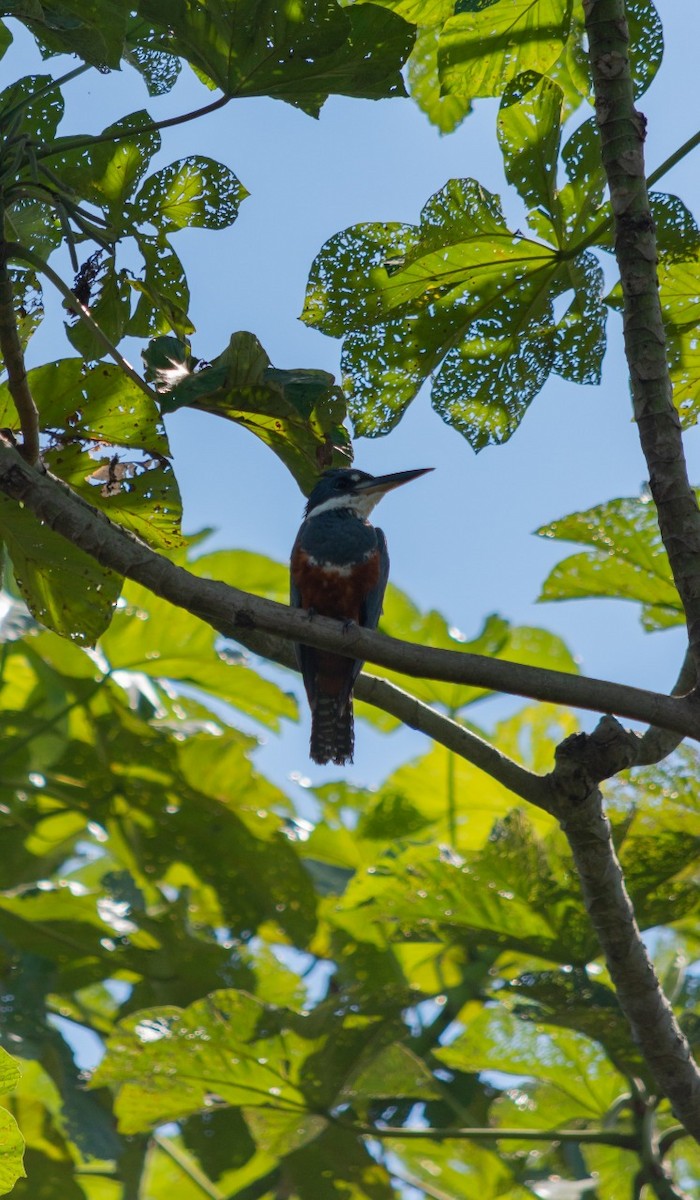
(582, 761)
(13, 360)
(492, 1133)
(233, 612)
(622, 131)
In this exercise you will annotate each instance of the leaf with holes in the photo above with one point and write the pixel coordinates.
(484, 46)
(300, 53)
(459, 296)
(194, 191)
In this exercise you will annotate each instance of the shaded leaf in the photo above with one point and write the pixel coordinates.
(300, 54)
(64, 588)
(92, 29)
(32, 107)
(297, 413)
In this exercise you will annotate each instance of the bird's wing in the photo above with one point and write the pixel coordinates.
(371, 609)
(305, 655)
(372, 606)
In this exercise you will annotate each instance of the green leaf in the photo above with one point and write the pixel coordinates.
(108, 171)
(37, 108)
(509, 895)
(497, 639)
(679, 285)
(580, 340)
(571, 999)
(159, 69)
(646, 42)
(5, 38)
(11, 1152)
(575, 1066)
(99, 404)
(627, 560)
(194, 191)
(164, 295)
(172, 644)
(29, 302)
(64, 588)
(677, 232)
(92, 29)
(581, 199)
(484, 46)
(445, 112)
(246, 570)
(459, 289)
(36, 226)
(459, 297)
(297, 413)
(300, 53)
(167, 1062)
(138, 492)
(529, 131)
(427, 1161)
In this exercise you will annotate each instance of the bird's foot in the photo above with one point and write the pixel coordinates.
(349, 625)
(310, 613)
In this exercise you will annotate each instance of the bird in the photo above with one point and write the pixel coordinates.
(339, 568)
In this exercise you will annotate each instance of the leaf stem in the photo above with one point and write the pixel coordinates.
(42, 91)
(15, 250)
(591, 1137)
(187, 1166)
(80, 143)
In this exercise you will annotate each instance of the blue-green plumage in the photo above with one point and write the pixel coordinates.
(339, 568)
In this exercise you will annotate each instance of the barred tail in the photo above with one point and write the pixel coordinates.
(332, 730)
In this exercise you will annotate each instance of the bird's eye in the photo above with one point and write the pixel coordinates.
(343, 484)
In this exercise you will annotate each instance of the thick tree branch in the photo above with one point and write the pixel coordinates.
(622, 133)
(582, 761)
(13, 361)
(232, 611)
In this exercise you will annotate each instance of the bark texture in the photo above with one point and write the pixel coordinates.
(622, 131)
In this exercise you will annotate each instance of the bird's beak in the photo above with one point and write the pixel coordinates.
(381, 484)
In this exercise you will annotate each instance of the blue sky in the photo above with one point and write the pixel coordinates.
(460, 539)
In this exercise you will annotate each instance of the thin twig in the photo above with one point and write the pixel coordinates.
(67, 145)
(13, 360)
(491, 1133)
(15, 250)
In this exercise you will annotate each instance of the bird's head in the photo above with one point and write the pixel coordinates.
(356, 490)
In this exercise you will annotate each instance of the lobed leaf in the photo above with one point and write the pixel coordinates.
(298, 413)
(459, 296)
(627, 560)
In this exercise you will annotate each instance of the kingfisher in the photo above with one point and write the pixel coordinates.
(339, 568)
